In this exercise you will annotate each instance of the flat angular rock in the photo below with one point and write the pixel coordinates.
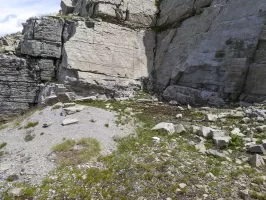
(179, 128)
(205, 131)
(256, 161)
(221, 142)
(69, 122)
(72, 110)
(217, 133)
(201, 147)
(215, 153)
(169, 127)
(211, 118)
(257, 149)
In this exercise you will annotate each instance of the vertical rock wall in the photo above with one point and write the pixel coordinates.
(207, 49)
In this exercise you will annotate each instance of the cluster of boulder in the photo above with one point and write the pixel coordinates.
(248, 134)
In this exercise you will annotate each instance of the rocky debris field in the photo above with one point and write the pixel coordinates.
(27, 142)
(175, 152)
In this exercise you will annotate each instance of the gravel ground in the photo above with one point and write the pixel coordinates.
(32, 160)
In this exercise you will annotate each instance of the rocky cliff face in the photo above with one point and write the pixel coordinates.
(191, 51)
(211, 51)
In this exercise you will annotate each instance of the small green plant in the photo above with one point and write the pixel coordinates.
(258, 181)
(92, 121)
(85, 149)
(236, 141)
(31, 124)
(29, 137)
(106, 125)
(12, 178)
(4, 126)
(64, 146)
(42, 133)
(2, 145)
(56, 107)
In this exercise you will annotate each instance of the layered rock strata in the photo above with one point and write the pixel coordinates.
(191, 51)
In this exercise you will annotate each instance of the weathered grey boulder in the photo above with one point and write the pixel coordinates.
(169, 127)
(256, 161)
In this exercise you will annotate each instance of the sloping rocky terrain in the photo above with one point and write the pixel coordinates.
(173, 152)
(94, 135)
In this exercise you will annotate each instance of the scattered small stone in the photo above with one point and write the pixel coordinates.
(215, 153)
(211, 118)
(260, 119)
(156, 139)
(244, 194)
(221, 142)
(46, 125)
(256, 161)
(189, 107)
(205, 131)
(261, 128)
(237, 114)
(179, 128)
(72, 110)
(217, 133)
(201, 147)
(144, 100)
(179, 116)
(182, 185)
(69, 122)
(237, 131)
(173, 103)
(169, 127)
(15, 192)
(180, 108)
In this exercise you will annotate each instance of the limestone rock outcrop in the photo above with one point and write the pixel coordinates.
(187, 51)
(211, 50)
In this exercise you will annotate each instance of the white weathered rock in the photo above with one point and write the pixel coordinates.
(169, 127)
(221, 142)
(256, 161)
(211, 118)
(15, 192)
(246, 120)
(205, 131)
(237, 131)
(179, 128)
(156, 139)
(179, 116)
(182, 185)
(74, 109)
(201, 147)
(69, 122)
(217, 133)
